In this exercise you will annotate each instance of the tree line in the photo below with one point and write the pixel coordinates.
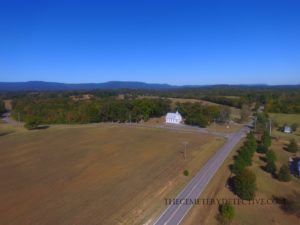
(59, 109)
(244, 181)
(202, 115)
(223, 100)
(65, 111)
(283, 105)
(2, 107)
(277, 99)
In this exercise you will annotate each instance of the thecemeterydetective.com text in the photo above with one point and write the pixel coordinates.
(220, 201)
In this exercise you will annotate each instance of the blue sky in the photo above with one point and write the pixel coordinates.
(176, 42)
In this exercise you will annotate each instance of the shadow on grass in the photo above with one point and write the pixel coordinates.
(229, 184)
(262, 158)
(40, 127)
(285, 147)
(289, 204)
(264, 168)
(5, 133)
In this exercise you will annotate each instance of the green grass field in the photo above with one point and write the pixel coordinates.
(289, 119)
(285, 118)
(94, 174)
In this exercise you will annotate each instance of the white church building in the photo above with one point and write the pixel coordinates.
(174, 118)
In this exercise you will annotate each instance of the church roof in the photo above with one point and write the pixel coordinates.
(176, 115)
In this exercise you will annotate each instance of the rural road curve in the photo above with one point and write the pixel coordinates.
(174, 213)
(7, 119)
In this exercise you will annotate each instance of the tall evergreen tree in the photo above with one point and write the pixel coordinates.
(292, 146)
(284, 173)
(266, 139)
(244, 184)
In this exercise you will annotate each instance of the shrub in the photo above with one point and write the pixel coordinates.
(226, 213)
(284, 173)
(186, 173)
(292, 147)
(32, 123)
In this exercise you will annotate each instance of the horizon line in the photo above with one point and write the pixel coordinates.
(162, 83)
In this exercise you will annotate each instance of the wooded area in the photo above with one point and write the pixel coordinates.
(43, 109)
(2, 108)
(123, 105)
(65, 111)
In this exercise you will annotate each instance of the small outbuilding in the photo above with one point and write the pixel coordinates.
(174, 118)
(287, 129)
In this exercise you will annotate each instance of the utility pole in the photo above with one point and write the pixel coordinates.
(255, 122)
(185, 143)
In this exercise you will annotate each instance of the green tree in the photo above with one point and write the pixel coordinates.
(251, 142)
(266, 139)
(227, 213)
(58, 109)
(270, 167)
(198, 114)
(270, 159)
(262, 119)
(271, 156)
(262, 148)
(294, 126)
(244, 185)
(225, 114)
(238, 165)
(292, 146)
(32, 123)
(246, 155)
(200, 120)
(284, 173)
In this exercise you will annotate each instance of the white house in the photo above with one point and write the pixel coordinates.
(287, 129)
(175, 118)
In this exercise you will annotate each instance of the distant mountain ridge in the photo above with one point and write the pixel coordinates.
(55, 86)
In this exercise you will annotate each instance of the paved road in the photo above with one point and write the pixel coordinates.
(7, 119)
(174, 213)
